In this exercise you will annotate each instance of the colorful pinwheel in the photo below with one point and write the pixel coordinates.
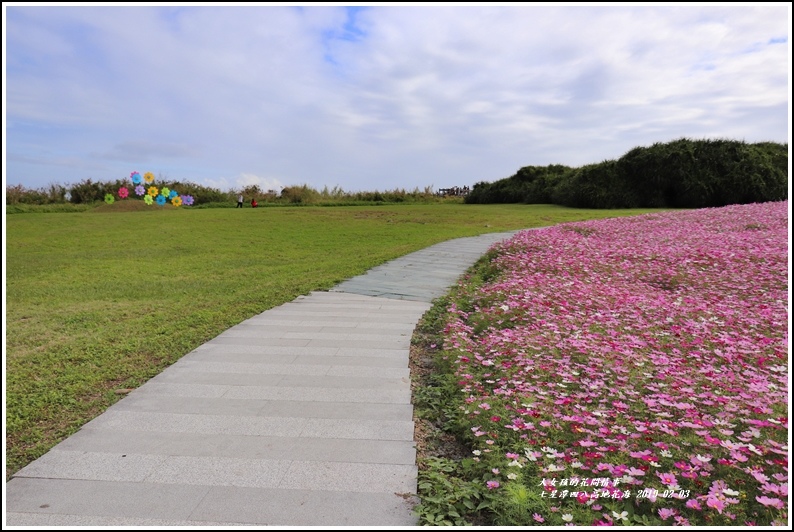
(109, 199)
(165, 191)
(123, 192)
(160, 199)
(153, 191)
(147, 199)
(187, 200)
(139, 190)
(176, 201)
(173, 194)
(136, 178)
(148, 177)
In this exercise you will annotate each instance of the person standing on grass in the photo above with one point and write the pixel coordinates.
(253, 202)
(240, 200)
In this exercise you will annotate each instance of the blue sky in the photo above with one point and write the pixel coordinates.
(378, 98)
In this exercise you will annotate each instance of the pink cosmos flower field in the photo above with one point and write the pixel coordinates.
(633, 370)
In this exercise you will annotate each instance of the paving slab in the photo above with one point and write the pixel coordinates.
(299, 416)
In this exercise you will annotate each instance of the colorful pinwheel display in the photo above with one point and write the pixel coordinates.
(143, 186)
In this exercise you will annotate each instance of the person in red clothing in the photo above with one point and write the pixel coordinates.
(253, 202)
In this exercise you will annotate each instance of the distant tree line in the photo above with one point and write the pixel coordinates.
(88, 192)
(683, 173)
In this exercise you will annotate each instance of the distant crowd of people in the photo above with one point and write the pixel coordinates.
(454, 191)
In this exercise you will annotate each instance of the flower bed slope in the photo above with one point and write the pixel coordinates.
(650, 353)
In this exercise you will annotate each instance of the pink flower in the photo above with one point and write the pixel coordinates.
(666, 513)
(492, 484)
(717, 504)
(760, 477)
(769, 501)
(668, 479)
(693, 504)
(538, 518)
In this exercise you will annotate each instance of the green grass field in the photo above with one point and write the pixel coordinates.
(105, 299)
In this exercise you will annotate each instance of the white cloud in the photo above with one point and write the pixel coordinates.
(264, 183)
(381, 97)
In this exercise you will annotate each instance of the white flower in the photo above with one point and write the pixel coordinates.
(755, 449)
(505, 308)
(567, 517)
(577, 464)
(730, 492)
(665, 453)
(476, 452)
(512, 476)
(703, 458)
(622, 515)
(655, 464)
(515, 463)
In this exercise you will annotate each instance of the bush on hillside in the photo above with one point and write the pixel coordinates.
(683, 173)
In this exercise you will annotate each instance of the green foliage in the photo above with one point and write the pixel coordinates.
(683, 173)
(52, 193)
(531, 184)
(447, 496)
(88, 191)
(201, 194)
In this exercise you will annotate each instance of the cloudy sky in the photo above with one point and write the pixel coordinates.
(378, 98)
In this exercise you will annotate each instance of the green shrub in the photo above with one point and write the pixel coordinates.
(683, 173)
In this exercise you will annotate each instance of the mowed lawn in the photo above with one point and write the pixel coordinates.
(103, 300)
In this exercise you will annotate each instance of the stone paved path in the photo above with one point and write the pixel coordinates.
(299, 416)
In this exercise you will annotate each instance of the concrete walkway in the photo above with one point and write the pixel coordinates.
(299, 416)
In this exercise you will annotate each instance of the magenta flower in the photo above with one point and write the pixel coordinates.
(626, 337)
(537, 517)
(123, 192)
(492, 484)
